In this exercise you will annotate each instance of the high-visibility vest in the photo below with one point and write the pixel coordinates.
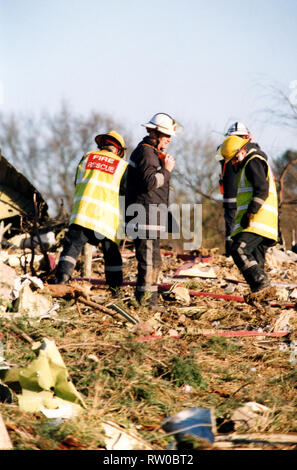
(96, 198)
(265, 221)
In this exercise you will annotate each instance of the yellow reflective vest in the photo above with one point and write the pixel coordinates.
(96, 198)
(265, 221)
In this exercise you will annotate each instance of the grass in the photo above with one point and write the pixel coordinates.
(184, 372)
(221, 345)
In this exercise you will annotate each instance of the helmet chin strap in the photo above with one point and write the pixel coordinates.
(155, 135)
(158, 139)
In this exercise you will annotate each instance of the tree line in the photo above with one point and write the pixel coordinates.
(47, 149)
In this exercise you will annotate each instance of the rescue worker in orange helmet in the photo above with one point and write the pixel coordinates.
(95, 216)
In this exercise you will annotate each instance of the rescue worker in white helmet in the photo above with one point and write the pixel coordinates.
(228, 183)
(147, 196)
(95, 216)
(256, 220)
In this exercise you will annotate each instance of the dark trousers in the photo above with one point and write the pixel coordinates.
(248, 252)
(149, 264)
(75, 239)
(229, 216)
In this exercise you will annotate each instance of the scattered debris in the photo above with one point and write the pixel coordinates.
(17, 196)
(20, 259)
(293, 355)
(109, 311)
(3, 364)
(196, 426)
(195, 271)
(247, 333)
(282, 294)
(5, 442)
(284, 321)
(179, 293)
(277, 257)
(251, 416)
(7, 280)
(5, 394)
(293, 294)
(45, 383)
(117, 438)
(27, 301)
(23, 240)
(122, 312)
(274, 441)
(71, 290)
(210, 323)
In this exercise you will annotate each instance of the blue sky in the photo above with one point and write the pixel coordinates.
(206, 63)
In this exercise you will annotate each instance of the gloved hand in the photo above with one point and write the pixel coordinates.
(245, 221)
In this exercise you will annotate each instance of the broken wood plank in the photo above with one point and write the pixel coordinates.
(73, 289)
(19, 332)
(110, 311)
(87, 260)
(3, 229)
(247, 333)
(258, 437)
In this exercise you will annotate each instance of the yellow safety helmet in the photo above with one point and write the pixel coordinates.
(113, 138)
(231, 146)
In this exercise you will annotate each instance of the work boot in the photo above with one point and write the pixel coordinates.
(152, 302)
(261, 285)
(228, 246)
(147, 299)
(256, 278)
(115, 292)
(62, 278)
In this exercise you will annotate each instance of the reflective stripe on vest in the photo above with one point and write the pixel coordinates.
(265, 221)
(96, 198)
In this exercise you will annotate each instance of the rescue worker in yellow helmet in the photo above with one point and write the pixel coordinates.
(228, 183)
(95, 216)
(256, 220)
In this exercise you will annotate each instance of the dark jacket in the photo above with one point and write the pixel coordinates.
(147, 180)
(229, 181)
(256, 172)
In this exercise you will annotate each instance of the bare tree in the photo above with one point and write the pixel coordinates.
(196, 171)
(195, 179)
(283, 113)
(47, 148)
(285, 169)
(283, 110)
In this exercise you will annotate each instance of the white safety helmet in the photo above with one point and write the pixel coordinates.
(162, 122)
(238, 128)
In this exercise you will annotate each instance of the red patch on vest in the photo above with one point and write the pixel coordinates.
(102, 163)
